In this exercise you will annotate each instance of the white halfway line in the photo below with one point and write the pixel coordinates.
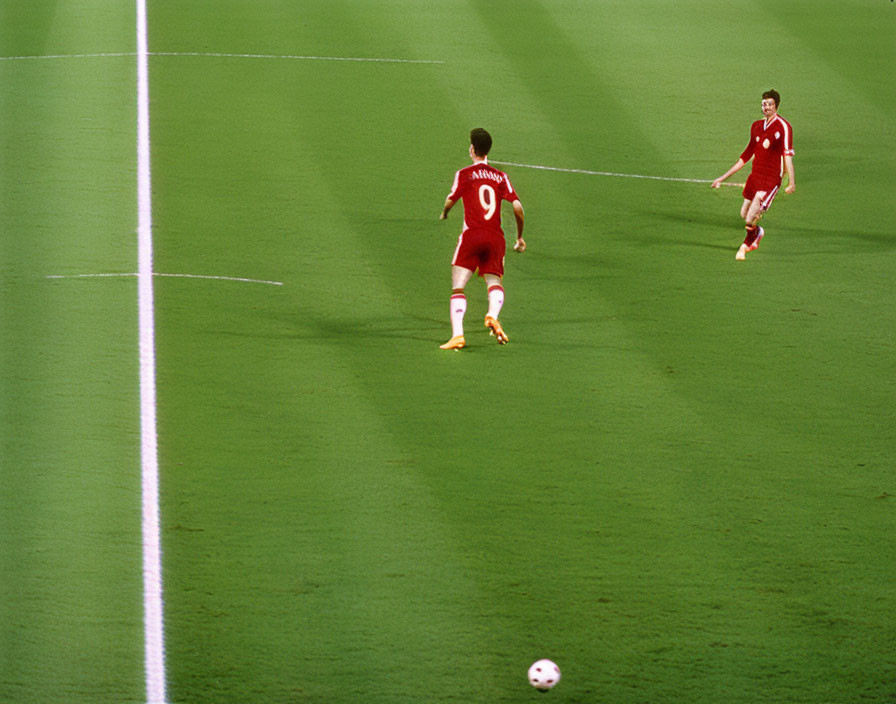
(153, 616)
(291, 57)
(610, 173)
(176, 276)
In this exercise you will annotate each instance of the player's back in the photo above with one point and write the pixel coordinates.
(482, 188)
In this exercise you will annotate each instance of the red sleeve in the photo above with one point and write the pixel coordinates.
(788, 138)
(508, 193)
(747, 153)
(454, 195)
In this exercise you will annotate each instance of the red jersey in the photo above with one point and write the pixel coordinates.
(482, 188)
(769, 144)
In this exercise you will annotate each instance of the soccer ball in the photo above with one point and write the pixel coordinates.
(543, 675)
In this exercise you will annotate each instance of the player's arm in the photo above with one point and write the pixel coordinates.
(788, 167)
(520, 217)
(453, 196)
(730, 172)
(449, 204)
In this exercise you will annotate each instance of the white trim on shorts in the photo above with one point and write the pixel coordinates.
(767, 201)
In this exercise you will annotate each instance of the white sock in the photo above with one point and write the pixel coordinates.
(458, 308)
(495, 300)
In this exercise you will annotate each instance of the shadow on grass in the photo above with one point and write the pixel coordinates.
(832, 240)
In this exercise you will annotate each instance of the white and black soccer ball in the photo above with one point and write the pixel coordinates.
(544, 674)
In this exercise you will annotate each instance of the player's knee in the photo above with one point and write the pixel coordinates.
(751, 217)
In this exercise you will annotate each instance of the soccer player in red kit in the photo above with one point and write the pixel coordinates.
(481, 244)
(771, 148)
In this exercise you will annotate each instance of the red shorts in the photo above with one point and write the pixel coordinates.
(481, 249)
(757, 184)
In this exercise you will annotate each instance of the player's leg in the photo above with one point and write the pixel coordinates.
(751, 212)
(460, 276)
(495, 286)
(757, 211)
(495, 303)
(492, 270)
(754, 215)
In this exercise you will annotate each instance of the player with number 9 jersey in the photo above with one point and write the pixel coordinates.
(481, 244)
(482, 188)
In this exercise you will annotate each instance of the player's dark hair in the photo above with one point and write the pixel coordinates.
(481, 141)
(774, 95)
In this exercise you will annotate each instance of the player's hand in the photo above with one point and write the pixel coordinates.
(717, 183)
(443, 216)
(791, 187)
(520, 245)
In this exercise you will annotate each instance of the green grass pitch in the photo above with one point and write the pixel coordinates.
(677, 479)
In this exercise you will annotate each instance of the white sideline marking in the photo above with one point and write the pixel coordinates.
(293, 57)
(610, 173)
(290, 57)
(177, 276)
(153, 615)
